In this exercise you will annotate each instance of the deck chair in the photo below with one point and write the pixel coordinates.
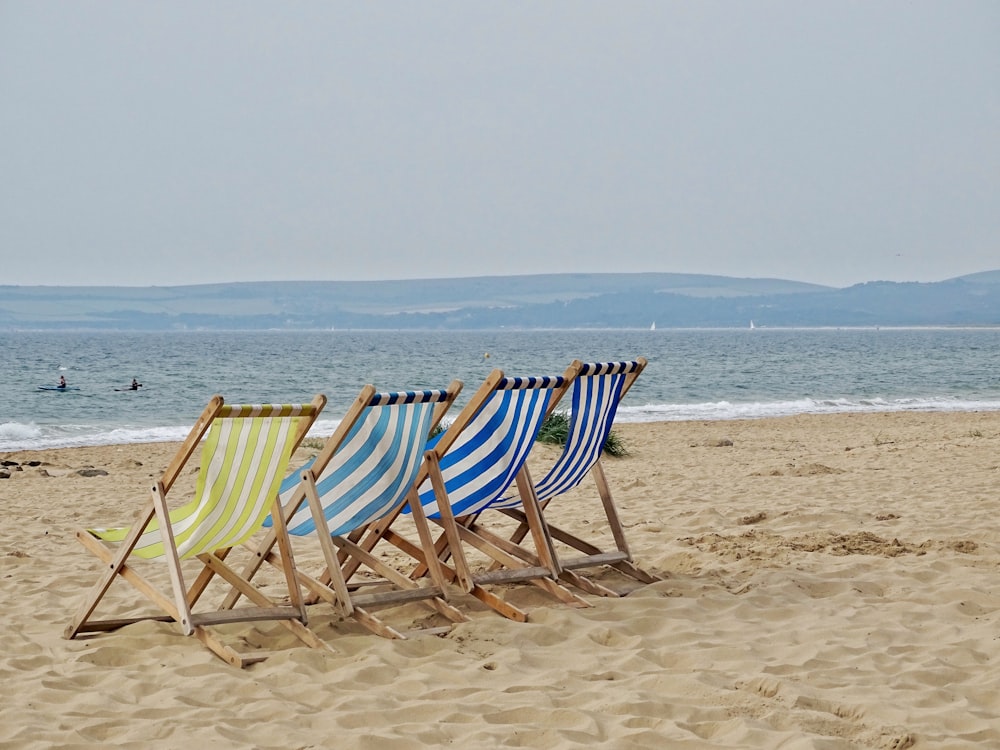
(598, 388)
(366, 470)
(472, 464)
(244, 457)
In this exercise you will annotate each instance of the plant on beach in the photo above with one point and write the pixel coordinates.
(555, 431)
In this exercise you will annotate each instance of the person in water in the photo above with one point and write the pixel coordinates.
(136, 385)
(62, 381)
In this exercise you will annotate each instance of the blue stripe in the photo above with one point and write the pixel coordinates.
(476, 486)
(288, 485)
(366, 504)
(595, 402)
(595, 398)
(372, 471)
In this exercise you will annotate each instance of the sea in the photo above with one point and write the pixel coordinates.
(693, 374)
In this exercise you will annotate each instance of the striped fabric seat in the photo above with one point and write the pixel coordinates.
(374, 466)
(470, 466)
(244, 457)
(597, 391)
(481, 464)
(366, 472)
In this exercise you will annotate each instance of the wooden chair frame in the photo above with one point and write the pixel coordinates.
(514, 563)
(179, 607)
(335, 583)
(587, 554)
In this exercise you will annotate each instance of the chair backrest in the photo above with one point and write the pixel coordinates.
(598, 388)
(483, 456)
(374, 463)
(244, 456)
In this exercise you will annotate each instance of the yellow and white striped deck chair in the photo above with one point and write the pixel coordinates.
(245, 451)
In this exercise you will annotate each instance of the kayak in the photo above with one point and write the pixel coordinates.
(57, 388)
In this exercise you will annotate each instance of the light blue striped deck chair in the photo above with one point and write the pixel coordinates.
(473, 463)
(598, 389)
(365, 471)
(245, 451)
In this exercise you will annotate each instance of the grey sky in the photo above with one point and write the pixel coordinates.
(181, 142)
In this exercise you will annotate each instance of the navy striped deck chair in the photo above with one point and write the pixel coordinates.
(598, 389)
(366, 471)
(473, 464)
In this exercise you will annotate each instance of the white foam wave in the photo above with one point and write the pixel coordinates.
(324, 428)
(19, 436)
(722, 410)
(18, 432)
(15, 436)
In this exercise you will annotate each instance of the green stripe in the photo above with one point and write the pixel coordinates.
(210, 484)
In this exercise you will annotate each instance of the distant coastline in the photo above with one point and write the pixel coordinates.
(531, 302)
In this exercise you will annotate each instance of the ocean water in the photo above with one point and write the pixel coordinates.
(692, 374)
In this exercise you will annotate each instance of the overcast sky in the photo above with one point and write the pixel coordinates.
(183, 142)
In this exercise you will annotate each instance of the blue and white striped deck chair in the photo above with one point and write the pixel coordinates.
(598, 388)
(244, 456)
(472, 465)
(366, 471)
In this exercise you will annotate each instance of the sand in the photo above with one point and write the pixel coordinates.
(829, 581)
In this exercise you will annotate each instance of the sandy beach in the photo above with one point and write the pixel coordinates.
(828, 582)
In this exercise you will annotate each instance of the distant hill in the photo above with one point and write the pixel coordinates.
(984, 277)
(530, 301)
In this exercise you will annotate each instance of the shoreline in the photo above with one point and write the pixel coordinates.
(828, 580)
(628, 415)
